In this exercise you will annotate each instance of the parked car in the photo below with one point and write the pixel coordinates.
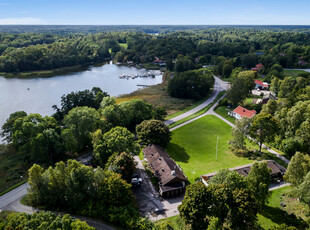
(136, 182)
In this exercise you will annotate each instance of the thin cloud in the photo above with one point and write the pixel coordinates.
(4, 4)
(21, 21)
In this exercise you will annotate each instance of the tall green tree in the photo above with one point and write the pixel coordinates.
(117, 140)
(153, 132)
(297, 169)
(263, 128)
(240, 132)
(82, 121)
(258, 181)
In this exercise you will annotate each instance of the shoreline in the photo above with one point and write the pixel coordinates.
(65, 70)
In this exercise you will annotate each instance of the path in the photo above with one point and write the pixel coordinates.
(219, 86)
(306, 70)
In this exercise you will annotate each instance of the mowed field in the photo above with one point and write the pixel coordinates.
(193, 147)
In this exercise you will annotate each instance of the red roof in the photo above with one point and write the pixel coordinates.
(259, 65)
(258, 82)
(244, 112)
(158, 61)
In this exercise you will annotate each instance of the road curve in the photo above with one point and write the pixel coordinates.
(219, 86)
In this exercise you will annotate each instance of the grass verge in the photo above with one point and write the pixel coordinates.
(221, 110)
(188, 108)
(200, 112)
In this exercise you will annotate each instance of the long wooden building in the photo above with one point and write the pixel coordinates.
(171, 178)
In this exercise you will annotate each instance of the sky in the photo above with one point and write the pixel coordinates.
(155, 12)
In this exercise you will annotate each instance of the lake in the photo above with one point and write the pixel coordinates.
(45, 92)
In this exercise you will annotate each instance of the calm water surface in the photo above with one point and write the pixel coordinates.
(45, 92)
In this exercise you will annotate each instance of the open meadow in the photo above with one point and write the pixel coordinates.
(193, 147)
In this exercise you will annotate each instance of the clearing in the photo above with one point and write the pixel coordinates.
(193, 147)
(292, 73)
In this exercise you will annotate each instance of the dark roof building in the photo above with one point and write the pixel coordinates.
(171, 177)
(277, 171)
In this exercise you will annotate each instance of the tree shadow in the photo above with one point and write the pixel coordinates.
(279, 216)
(178, 153)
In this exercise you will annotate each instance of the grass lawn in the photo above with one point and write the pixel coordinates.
(175, 222)
(197, 114)
(273, 214)
(221, 110)
(193, 147)
(187, 109)
(292, 73)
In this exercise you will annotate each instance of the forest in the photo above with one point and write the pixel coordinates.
(192, 47)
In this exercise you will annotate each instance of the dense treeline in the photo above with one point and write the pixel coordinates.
(79, 189)
(42, 221)
(244, 46)
(193, 84)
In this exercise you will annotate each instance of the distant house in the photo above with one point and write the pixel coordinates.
(240, 112)
(129, 62)
(261, 85)
(283, 54)
(259, 68)
(277, 171)
(302, 63)
(159, 62)
(170, 176)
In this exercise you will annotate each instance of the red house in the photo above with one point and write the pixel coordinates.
(240, 112)
(261, 85)
(259, 68)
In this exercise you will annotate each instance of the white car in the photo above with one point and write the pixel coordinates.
(136, 181)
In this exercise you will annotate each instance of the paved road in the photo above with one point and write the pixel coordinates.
(219, 86)
(13, 195)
